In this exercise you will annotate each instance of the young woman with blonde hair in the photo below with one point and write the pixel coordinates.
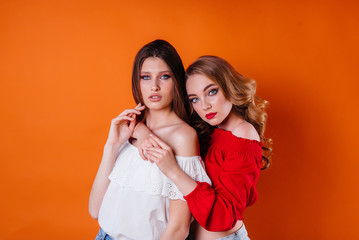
(228, 114)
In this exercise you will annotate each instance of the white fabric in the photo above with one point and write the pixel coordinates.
(136, 202)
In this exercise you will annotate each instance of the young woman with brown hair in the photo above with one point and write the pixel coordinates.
(131, 198)
(226, 108)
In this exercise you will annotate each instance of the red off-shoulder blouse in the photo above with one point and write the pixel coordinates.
(233, 164)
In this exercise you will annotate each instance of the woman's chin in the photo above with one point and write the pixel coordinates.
(157, 106)
(212, 122)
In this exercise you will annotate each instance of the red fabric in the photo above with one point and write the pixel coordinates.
(233, 165)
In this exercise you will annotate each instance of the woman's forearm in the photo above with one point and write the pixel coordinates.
(101, 181)
(183, 182)
(164, 157)
(179, 221)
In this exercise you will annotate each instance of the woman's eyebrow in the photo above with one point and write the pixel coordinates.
(167, 71)
(208, 86)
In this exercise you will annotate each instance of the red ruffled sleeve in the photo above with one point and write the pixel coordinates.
(233, 165)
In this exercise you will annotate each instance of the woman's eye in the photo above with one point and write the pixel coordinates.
(145, 77)
(193, 100)
(165, 76)
(213, 92)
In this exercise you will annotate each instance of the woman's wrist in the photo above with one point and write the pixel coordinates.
(141, 132)
(175, 174)
(112, 148)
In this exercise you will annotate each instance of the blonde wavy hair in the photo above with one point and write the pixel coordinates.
(241, 91)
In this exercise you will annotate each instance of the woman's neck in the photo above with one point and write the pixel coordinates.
(159, 118)
(231, 122)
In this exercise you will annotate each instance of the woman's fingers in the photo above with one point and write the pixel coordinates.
(121, 118)
(129, 114)
(130, 111)
(152, 142)
(146, 143)
(141, 152)
(154, 154)
(155, 151)
(132, 124)
(160, 143)
(140, 107)
(152, 158)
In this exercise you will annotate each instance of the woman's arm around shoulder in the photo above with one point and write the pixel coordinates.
(185, 146)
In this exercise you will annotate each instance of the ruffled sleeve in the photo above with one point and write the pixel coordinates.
(130, 171)
(194, 168)
(234, 175)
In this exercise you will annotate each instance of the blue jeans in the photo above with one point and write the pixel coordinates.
(241, 234)
(103, 236)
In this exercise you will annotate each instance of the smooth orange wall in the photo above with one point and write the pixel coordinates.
(65, 69)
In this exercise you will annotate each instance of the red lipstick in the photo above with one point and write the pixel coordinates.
(210, 115)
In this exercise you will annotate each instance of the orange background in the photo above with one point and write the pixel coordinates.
(65, 70)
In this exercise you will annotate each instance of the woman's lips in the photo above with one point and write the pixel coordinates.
(210, 115)
(155, 98)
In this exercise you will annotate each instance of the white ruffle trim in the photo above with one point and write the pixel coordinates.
(131, 171)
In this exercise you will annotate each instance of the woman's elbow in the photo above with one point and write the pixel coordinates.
(94, 216)
(182, 231)
(93, 212)
(175, 232)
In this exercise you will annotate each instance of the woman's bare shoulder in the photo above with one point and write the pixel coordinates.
(183, 131)
(184, 140)
(246, 130)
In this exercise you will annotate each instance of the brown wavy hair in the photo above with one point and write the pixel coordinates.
(165, 51)
(241, 91)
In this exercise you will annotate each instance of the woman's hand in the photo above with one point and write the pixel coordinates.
(122, 126)
(142, 134)
(146, 142)
(161, 154)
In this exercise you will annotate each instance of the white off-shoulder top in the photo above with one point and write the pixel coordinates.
(136, 202)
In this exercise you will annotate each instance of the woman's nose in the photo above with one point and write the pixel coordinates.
(206, 105)
(155, 87)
